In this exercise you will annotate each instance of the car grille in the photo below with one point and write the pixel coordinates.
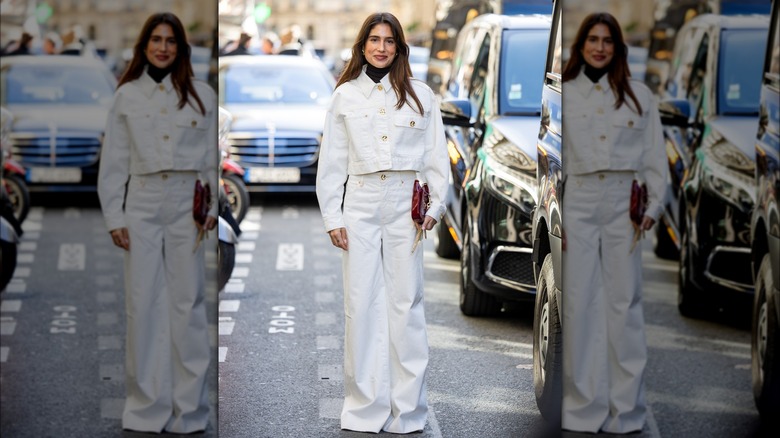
(722, 266)
(513, 266)
(284, 149)
(69, 151)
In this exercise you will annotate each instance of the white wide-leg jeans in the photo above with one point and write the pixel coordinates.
(167, 349)
(385, 344)
(604, 350)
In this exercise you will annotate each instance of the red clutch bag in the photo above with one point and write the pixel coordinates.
(201, 202)
(638, 202)
(421, 200)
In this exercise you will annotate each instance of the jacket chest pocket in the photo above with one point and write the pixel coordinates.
(410, 130)
(359, 124)
(141, 125)
(628, 128)
(191, 121)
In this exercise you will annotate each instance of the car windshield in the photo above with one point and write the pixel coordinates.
(55, 84)
(418, 55)
(266, 84)
(522, 71)
(739, 84)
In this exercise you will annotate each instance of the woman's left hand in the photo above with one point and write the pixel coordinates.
(647, 223)
(208, 225)
(427, 224)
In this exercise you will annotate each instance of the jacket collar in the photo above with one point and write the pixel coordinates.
(586, 86)
(148, 85)
(366, 85)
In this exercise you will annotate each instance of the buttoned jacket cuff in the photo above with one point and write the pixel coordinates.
(654, 210)
(333, 223)
(436, 211)
(115, 222)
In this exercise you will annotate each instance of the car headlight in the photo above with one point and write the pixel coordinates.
(730, 156)
(514, 188)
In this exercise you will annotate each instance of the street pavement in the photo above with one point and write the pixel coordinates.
(280, 334)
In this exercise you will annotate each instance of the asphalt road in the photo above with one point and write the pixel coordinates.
(280, 325)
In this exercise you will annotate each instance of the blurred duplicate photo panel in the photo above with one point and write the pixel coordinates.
(381, 164)
(111, 204)
(667, 296)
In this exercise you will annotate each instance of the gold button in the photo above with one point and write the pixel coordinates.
(384, 138)
(380, 87)
(164, 111)
(194, 123)
(165, 137)
(162, 87)
(600, 111)
(601, 176)
(597, 87)
(382, 111)
(383, 177)
(164, 176)
(411, 123)
(630, 123)
(603, 137)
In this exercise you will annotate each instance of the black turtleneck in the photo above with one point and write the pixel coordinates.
(157, 73)
(376, 74)
(593, 73)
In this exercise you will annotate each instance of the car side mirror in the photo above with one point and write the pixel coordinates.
(456, 112)
(676, 112)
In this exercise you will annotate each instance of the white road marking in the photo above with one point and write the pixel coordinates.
(112, 408)
(222, 354)
(31, 226)
(322, 265)
(235, 287)
(73, 213)
(325, 318)
(36, 214)
(107, 318)
(324, 297)
(331, 407)
(226, 326)
(28, 246)
(246, 246)
(16, 286)
(240, 272)
(4, 354)
(112, 372)
(72, 257)
(290, 213)
(21, 271)
(25, 258)
(109, 343)
(7, 325)
(289, 257)
(323, 280)
(243, 257)
(249, 225)
(247, 235)
(10, 305)
(328, 342)
(229, 305)
(433, 422)
(651, 424)
(330, 372)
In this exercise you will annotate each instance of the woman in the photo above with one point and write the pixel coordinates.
(382, 129)
(160, 138)
(612, 135)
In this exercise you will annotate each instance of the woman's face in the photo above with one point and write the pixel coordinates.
(380, 49)
(161, 49)
(599, 48)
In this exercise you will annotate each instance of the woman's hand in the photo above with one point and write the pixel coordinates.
(339, 238)
(209, 224)
(427, 224)
(121, 238)
(647, 223)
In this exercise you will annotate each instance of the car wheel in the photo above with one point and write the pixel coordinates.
(473, 302)
(765, 346)
(664, 245)
(548, 345)
(226, 260)
(445, 244)
(689, 299)
(17, 192)
(237, 195)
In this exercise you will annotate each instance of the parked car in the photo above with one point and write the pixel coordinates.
(547, 235)
(708, 122)
(60, 105)
(491, 128)
(637, 62)
(278, 105)
(765, 236)
(418, 61)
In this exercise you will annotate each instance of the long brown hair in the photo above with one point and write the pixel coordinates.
(181, 73)
(400, 71)
(617, 70)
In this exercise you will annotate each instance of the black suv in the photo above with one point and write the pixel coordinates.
(547, 237)
(765, 235)
(492, 119)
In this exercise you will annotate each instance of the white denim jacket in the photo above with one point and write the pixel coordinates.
(365, 133)
(598, 137)
(146, 132)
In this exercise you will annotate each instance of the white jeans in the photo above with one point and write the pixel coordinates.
(385, 344)
(604, 350)
(167, 349)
